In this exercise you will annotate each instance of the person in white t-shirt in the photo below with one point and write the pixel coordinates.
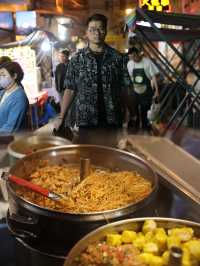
(143, 74)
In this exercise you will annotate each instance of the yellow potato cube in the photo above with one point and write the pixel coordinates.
(160, 239)
(156, 261)
(194, 248)
(173, 241)
(165, 257)
(146, 257)
(184, 234)
(139, 242)
(150, 247)
(160, 230)
(114, 239)
(149, 236)
(149, 225)
(150, 259)
(128, 236)
(186, 258)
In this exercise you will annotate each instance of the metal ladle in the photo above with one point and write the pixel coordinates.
(175, 258)
(84, 168)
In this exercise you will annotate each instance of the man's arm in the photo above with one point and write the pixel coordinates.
(154, 85)
(56, 78)
(66, 101)
(153, 71)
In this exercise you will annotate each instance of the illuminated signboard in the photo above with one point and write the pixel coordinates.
(26, 57)
(6, 21)
(155, 5)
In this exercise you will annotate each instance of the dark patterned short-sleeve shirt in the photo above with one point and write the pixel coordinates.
(82, 78)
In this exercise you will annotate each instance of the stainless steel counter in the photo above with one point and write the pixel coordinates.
(177, 168)
(178, 171)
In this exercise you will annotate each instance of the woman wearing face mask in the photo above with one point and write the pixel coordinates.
(13, 100)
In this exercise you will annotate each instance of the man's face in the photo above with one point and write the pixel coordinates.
(96, 32)
(63, 58)
(135, 57)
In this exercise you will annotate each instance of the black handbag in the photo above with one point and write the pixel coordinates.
(64, 132)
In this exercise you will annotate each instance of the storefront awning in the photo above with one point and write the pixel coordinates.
(171, 35)
(34, 38)
(190, 25)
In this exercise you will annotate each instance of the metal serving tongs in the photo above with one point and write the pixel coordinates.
(84, 171)
(27, 184)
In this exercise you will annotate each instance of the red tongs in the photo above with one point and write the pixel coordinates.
(27, 184)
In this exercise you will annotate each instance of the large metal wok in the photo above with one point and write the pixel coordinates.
(30, 220)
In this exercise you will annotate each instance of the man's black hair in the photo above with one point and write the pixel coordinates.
(65, 52)
(98, 17)
(134, 50)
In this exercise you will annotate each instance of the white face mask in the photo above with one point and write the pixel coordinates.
(5, 82)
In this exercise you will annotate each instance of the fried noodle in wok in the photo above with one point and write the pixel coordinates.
(100, 191)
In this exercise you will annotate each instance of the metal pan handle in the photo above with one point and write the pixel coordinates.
(22, 227)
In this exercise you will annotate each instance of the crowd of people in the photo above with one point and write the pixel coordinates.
(97, 86)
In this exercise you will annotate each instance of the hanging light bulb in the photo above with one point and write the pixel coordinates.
(46, 46)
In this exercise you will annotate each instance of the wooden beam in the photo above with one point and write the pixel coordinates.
(81, 4)
(77, 17)
(76, 3)
(13, 7)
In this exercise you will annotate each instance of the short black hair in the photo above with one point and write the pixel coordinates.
(98, 17)
(65, 52)
(134, 50)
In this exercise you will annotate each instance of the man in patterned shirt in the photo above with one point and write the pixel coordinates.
(95, 81)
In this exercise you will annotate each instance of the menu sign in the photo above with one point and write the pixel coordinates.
(26, 57)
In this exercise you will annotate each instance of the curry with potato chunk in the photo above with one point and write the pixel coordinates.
(148, 247)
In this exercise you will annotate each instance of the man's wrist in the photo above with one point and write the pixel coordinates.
(60, 117)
